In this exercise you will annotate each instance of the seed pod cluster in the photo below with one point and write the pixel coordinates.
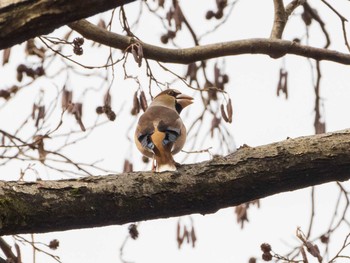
(133, 232)
(107, 108)
(54, 244)
(219, 13)
(75, 109)
(139, 102)
(77, 46)
(185, 234)
(8, 93)
(173, 15)
(167, 36)
(30, 72)
(266, 249)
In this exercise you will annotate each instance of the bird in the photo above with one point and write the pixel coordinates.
(160, 132)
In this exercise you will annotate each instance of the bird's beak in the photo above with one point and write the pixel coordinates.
(184, 100)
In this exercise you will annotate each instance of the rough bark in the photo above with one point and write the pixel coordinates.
(21, 20)
(274, 48)
(245, 175)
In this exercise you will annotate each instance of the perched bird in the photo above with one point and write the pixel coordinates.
(160, 132)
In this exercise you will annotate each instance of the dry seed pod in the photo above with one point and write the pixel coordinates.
(41, 115)
(161, 3)
(107, 100)
(32, 49)
(193, 237)
(143, 101)
(265, 247)
(209, 15)
(216, 75)
(102, 24)
(78, 41)
(34, 108)
(30, 46)
(77, 111)
(6, 56)
(178, 17)
(78, 50)
(111, 115)
(100, 110)
(267, 256)
(164, 39)
(192, 72)
(306, 17)
(229, 110)
(324, 239)
(214, 125)
(134, 53)
(133, 232)
(140, 52)
(5, 94)
(54, 244)
(137, 52)
(136, 105)
(178, 234)
(67, 97)
(39, 141)
(128, 167)
(223, 113)
(20, 69)
(169, 16)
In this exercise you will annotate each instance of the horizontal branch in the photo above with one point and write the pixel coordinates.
(248, 174)
(275, 48)
(21, 20)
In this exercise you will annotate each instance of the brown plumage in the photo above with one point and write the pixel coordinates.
(160, 132)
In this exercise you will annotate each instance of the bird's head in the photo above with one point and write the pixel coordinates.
(174, 99)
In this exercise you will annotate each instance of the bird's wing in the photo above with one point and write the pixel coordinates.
(159, 119)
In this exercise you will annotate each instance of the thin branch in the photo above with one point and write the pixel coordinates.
(343, 21)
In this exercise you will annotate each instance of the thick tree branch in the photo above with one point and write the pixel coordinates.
(272, 47)
(21, 20)
(245, 175)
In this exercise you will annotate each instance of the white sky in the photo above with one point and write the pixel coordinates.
(259, 118)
